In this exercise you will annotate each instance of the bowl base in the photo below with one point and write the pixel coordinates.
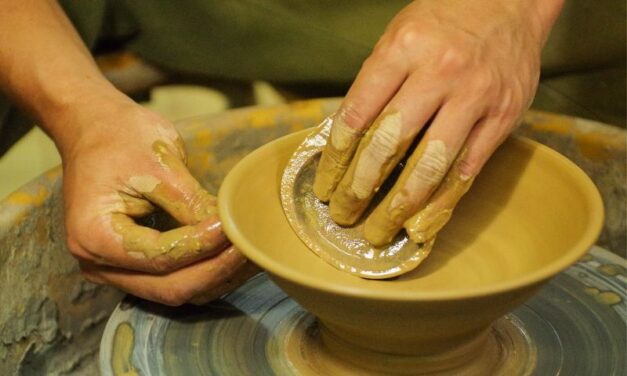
(575, 326)
(310, 349)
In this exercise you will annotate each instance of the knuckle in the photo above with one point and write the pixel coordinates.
(453, 60)
(480, 91)
(174, 295)
(407, 35)
(200, 204)
(483, 85)
(353, 116)
(382, 60)
(511, 113)
(468, 166)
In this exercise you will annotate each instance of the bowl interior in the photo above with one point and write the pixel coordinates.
(530, 214)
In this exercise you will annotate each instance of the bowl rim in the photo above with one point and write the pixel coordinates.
(275, 268)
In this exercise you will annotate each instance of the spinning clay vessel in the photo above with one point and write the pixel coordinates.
(530, 214)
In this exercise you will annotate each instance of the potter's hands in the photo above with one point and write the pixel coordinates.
(122, 162)
(119, 162)
(470, 69)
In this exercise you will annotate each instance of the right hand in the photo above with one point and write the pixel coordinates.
(464, 69)
(120, 162)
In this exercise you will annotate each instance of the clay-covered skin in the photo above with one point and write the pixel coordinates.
(383, 146)
(339, 150)
(425, 224)
(185, 209)
(460, 72)
(112, 180)
(343, 247)
(120, 162)
(420, 177)
(201, 236)
(183, 242)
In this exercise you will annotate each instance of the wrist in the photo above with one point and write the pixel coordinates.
(77, 110)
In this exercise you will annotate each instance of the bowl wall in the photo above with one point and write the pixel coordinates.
(530, 214)
(405, 327)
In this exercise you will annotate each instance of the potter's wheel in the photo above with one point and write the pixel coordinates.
(576, 325)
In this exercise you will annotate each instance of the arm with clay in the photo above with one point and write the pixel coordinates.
(120, 161)
(468, 69)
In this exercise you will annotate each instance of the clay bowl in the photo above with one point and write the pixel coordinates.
(530, 214)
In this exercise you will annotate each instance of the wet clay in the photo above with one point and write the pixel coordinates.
(343, 247)
(202, 230)
(420, 177)
(186, 210)
(424, 225)
(182, 242)
(339, 150)
(381, 149)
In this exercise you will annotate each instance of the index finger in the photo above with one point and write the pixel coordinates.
(375, 84)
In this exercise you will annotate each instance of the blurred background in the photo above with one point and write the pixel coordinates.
(199, 57)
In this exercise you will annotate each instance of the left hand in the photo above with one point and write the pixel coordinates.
(469, 68)
(120, 163)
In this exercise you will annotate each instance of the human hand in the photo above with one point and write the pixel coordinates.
(468, 69)
(121, 162)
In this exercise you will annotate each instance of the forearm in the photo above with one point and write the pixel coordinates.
(537, 16)
(44, 65)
